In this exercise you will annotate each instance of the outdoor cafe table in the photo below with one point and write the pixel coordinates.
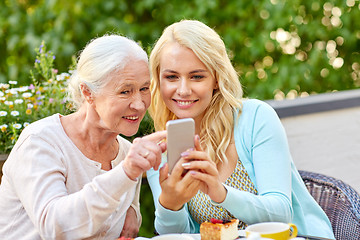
(186, 236)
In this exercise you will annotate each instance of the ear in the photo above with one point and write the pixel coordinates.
(87, 93)
(216, 85)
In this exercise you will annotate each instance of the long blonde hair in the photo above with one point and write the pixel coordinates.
(218, 122)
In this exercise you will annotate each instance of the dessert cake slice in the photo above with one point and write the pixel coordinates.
(219, 230)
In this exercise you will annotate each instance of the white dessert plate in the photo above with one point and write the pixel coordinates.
(182, 236)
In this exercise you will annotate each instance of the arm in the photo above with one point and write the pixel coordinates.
(40, 181)
(46, 172)
(131, 227)
(168, 221)
(136, 204)
(262, 147)
(133, 217)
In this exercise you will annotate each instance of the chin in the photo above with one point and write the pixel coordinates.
(183, 116)
(129, 134)
(128, 130)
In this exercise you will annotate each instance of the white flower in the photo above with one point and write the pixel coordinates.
(4, 85)
(62, 76)
(30, 105)
(9, 103)
(3, 126)
(13, 82)
(3, 113)
(13, 91)
(23, 89)
(26, 124)
(14, 113)
(1, 94)
(19, 101)
(2, 98)
(17, 125)
(26, 95)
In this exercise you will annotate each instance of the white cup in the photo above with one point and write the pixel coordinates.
(273, 230)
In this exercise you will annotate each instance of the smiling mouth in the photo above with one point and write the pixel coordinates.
(185, 103)
(132, 118)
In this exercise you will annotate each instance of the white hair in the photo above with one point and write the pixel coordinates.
(99, 58)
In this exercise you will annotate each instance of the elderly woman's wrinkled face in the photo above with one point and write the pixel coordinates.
(123, 102)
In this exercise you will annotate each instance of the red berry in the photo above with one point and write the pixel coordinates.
(213, 220)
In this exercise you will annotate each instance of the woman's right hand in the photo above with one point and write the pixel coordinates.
(144, 154)
(177, 188)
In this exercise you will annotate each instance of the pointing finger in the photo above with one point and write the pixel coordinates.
(156, 137)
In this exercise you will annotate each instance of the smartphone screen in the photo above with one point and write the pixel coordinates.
(180, 137)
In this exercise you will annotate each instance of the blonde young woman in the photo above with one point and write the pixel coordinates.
(241, 165)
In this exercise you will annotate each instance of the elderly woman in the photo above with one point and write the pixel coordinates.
(74, 177)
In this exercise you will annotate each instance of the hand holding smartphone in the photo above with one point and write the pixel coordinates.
(180, 137)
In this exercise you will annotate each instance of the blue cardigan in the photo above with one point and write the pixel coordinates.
(262, 147)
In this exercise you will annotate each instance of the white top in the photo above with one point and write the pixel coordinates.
(50, 190)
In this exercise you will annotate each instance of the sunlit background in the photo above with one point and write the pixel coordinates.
(280, 48)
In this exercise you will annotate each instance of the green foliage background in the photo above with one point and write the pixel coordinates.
(280, 48)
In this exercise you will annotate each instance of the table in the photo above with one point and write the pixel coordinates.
(312, 238)
(186, 236)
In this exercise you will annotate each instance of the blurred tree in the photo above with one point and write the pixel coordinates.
(277, 46)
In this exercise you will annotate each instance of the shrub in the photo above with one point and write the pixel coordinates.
(22, 105)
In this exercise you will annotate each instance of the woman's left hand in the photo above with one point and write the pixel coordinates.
(131, 227)
(202, 168)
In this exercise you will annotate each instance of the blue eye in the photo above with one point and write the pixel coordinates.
(171, 77)
(124, 92)
(144, 89)
(198, 77)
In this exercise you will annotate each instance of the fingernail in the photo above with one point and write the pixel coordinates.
(185, 165)
(184, 154)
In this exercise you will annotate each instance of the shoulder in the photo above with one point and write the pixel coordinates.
(42, 126)
(47, 130)
(254, 105)
(253, 109)
(257, 117)
(39, 139)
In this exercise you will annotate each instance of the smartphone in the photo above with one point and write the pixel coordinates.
(180, 137)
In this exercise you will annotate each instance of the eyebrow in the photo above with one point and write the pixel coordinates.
(147, 83)
(125, 85)
(195, 71)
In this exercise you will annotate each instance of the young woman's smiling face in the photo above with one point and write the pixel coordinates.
(186, 85)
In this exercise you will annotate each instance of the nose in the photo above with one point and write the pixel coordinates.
(184, 88)
(138, 103)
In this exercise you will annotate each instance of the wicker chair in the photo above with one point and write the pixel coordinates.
(340, 202)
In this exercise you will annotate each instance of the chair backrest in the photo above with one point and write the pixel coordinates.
(340, 202)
